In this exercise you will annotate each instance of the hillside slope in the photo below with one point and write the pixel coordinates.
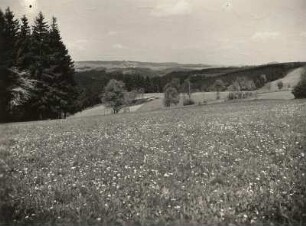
(203, 79)
(289, 81)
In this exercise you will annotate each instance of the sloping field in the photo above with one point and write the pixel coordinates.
(102, 110)
(238, 163)
(210, 98)
(94, 111)
(277, 95)
(198, 97)
(289, 81)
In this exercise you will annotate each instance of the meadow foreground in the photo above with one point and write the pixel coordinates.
(230, 163)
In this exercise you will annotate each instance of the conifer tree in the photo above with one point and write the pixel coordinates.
(2, 70)
(11, 26)
(36, 71)
(38, 62)
(62, 69)
(23, 45)
(39, 47)
(8, 33)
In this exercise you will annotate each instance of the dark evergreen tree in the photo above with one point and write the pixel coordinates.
(11, 26)
(8, 34)
(39, 47)
(39, 107)
(23, 45)
(36, 71)
(2, 70)
(62, 70)
(54, 70)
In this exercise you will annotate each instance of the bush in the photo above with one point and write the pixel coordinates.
(299, 90)
(239, 95)
(280, 85)
(188, 102)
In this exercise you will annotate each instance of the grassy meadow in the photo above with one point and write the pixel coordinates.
(220, 163)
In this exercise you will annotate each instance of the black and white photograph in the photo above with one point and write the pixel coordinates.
(152, 112)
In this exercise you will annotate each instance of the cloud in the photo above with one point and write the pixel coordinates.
(78, 44)
(112, 33)
(303, 34)
(172, 8)
(119, 46)
(263, 36)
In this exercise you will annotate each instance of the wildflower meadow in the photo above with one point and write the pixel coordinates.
(238, 163)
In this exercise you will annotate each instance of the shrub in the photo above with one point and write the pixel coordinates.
(239, 95)
(280, 85)
(299, 90)
(188, 102)
(231, 96)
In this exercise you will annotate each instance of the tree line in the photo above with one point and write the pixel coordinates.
(36, 70)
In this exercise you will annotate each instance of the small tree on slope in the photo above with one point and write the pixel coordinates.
(172, 96)
(114, 95)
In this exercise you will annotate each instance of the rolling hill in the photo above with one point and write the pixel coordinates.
(92, 76)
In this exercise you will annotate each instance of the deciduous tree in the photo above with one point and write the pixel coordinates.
(114, 95)
(171, 96)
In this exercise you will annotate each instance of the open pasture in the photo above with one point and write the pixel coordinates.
(231, 162)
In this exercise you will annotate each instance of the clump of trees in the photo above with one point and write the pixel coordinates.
(243, 88)
(36, 70)
(236, 95)
(299, 90)
(242, 84)
(113, 95)
(116, 96)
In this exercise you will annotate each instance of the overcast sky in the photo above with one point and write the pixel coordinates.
(185, 31)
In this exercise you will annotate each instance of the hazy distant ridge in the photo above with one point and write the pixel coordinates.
(107, 65)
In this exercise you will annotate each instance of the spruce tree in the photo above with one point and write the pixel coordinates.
(39, 47)
(25, 86)
(8, 33)
(2, 70)
(23, 46)
(39, 107)
(11, 27)
(36, 71)
(62, 69)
